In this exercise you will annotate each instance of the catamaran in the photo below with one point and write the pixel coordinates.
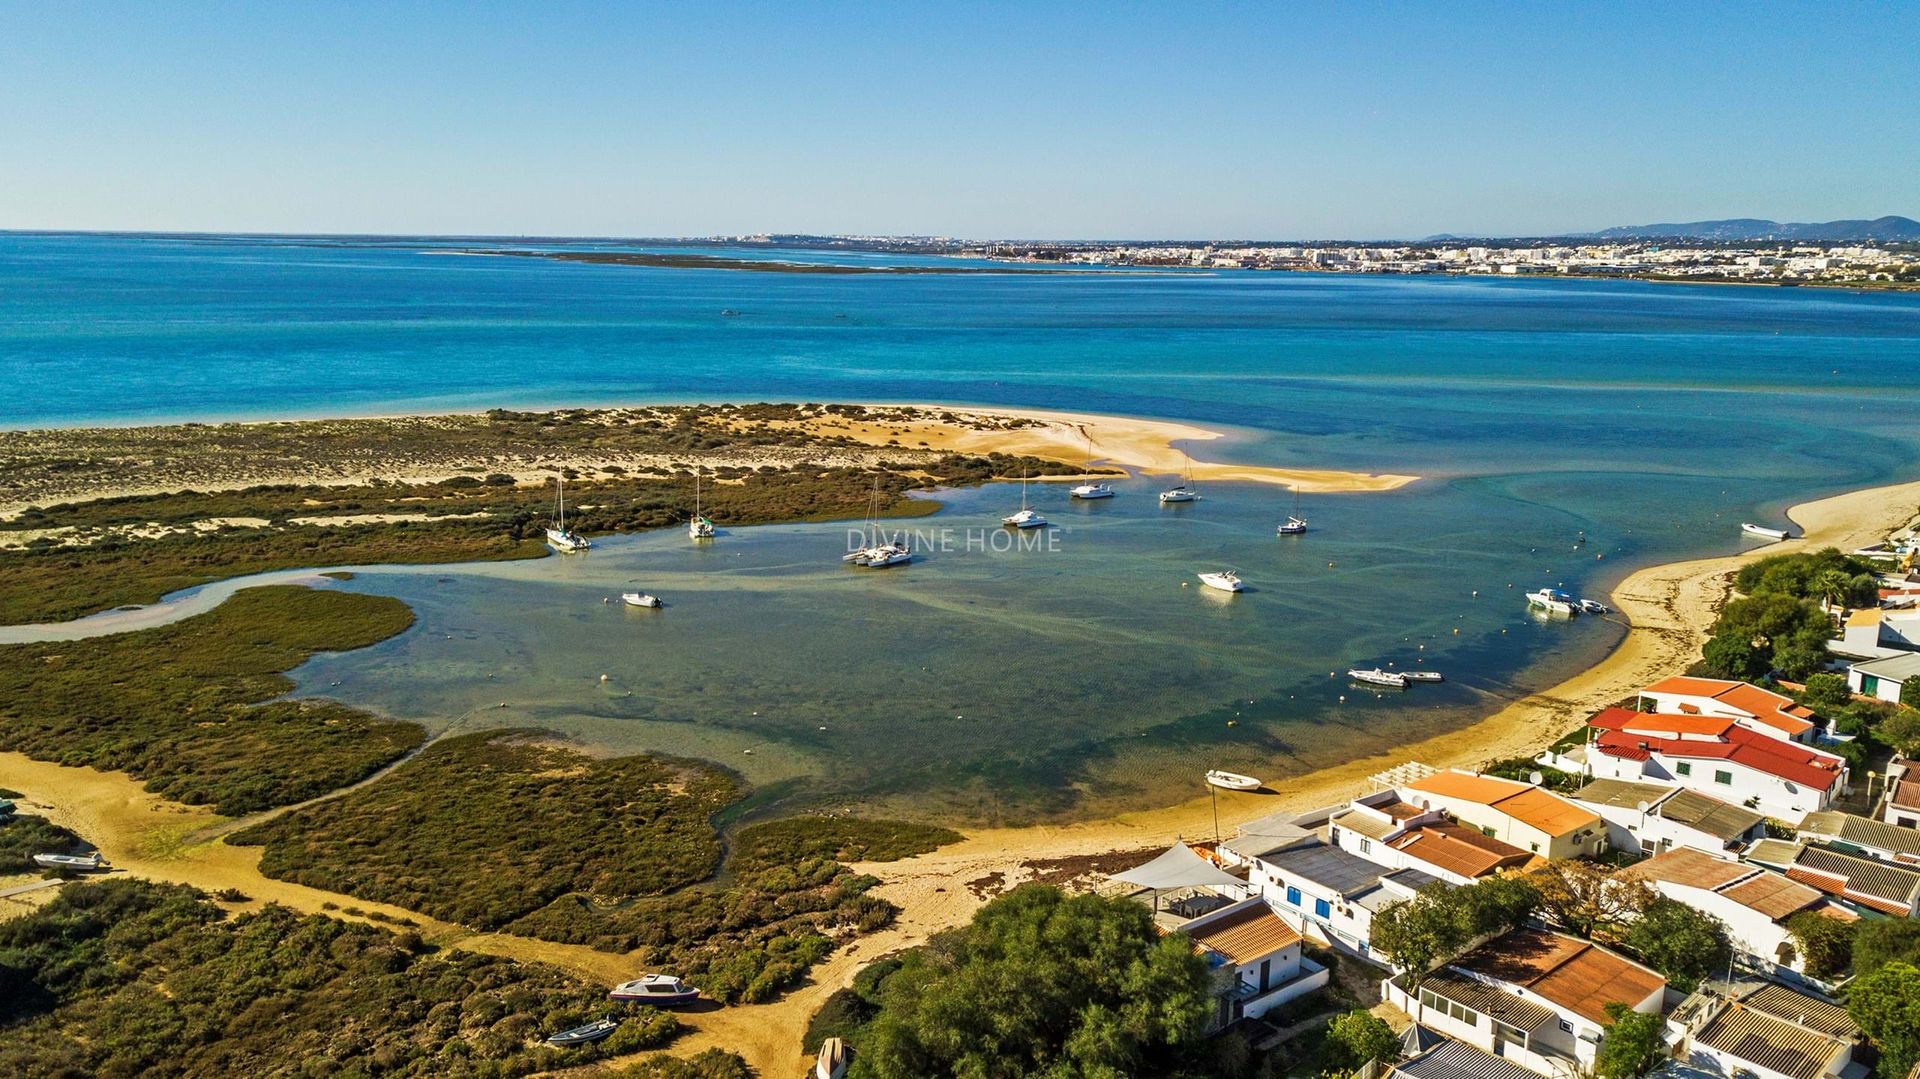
(1295, 524)
(1225, 580)
(1026, 518)
(560, 537)
(700, 527)
(1088, 489)
(1374, 676)
(877, 554)
(1184, 491)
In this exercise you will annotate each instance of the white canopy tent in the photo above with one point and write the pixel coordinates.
(1180, 867)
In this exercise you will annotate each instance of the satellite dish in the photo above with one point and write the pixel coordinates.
(1534, 778)
(1645, 805)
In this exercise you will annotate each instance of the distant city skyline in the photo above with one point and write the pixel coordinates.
(1094, 122)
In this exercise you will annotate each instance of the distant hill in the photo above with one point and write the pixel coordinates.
(1736, 229)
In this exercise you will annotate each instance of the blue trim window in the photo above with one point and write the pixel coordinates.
(1293, 896)
(1322, 908)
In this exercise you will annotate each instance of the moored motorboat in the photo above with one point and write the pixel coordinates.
(1423, 676)
(1231, 781)
(1374, 676)
(639, 599)
(82, 862)
(1594, 606)
(1763, 531)
(1225, 580)
(592, 1032)
(1553, 601)
(659, 990)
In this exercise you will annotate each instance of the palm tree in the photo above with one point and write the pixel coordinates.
(1832, 585)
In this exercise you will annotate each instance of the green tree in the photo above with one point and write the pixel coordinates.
(1734, 656)
(1886, 1005)
(1879, 941)
(1825, 943)
(1901, 730)
(1361, 1036)
(1631, 1046)
(1910, 693)
(1040, 983)
(1497, 904)
(1586, 900)
(1680, 942)
(1826, 693)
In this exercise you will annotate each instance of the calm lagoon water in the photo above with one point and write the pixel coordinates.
(989, 683)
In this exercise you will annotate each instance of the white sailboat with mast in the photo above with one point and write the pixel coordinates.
(1088, 489)
(560, 537)
(700, 527)
(1295, 524)
(1026, 518)
(1184, 491)
(877, 554)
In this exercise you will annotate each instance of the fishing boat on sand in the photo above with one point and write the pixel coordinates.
(1374, 676)
(86, 863)
(560, 537)
(659, 990)
(1232, 781)
(592, 1032)
(1763, 531)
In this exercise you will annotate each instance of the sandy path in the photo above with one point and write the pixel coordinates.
(1669, 607)
(1138, 444)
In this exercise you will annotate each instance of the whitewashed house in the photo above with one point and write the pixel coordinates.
(1525, 816)
(1754, 902)
(1389, 832)
(1752, 708)
(1536, 998)
(1656, 817)
(1256, 960)
(1884, 679)
(1330, 894)
(1765, 1032)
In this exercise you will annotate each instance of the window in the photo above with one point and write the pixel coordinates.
(1535, 847)
(1486, 832)
(1723, 777)
(1322, 908)
(1447, 1007)
(1366, 845)
(1566, 1027)
(1510, 1035)
(1293, 896)
(1683, 769)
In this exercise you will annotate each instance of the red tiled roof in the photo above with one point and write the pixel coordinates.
(1626, 730)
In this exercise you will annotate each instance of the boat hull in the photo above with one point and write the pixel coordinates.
(658, 1000)
(1232, 781)
(1090, 492)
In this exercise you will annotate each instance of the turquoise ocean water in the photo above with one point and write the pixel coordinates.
(1653, 418)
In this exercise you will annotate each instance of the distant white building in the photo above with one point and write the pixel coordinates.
(1884, 679)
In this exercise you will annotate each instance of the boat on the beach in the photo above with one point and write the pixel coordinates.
(1225, 580)
(1184, 491)
(1295, 524)
(1088, 488)
(877, 554)
(6, 808)
(700, 527)
(1026, 518)
(1374, 676)
(592, 1032)
(85, 863)
(1763, 531)
(1423, 676)
(639, 599)
(1232, 781)
(1553, 601)
(831, 1062)
(560, 537)
(659, 990)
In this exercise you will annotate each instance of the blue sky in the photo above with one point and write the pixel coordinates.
(979, 120)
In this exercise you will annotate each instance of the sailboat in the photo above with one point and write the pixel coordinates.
(1088, 489)
(1184, 491)
(1295, 524)
(700, 527)
(560, 537)
(1026, 518)
(877, 555)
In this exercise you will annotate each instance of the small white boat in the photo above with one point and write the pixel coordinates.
(1225, 580)
(1376, 677)
(1553, 601)
(1761, 530)
(659, 990)
(1232, 781)
(639, 599)
(585, 1035)
(1088, 488)
(699, 527)
(1184, 491)
(1594, 606)
(1423, 676)
(831, 1063)
(82, 862)
(1025, 518)
(560, 537)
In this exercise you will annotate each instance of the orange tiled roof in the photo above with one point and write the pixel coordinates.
(1246, 936)
(1763, 705)
(1580, 977)
(1527, 804)
(1460, 850)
